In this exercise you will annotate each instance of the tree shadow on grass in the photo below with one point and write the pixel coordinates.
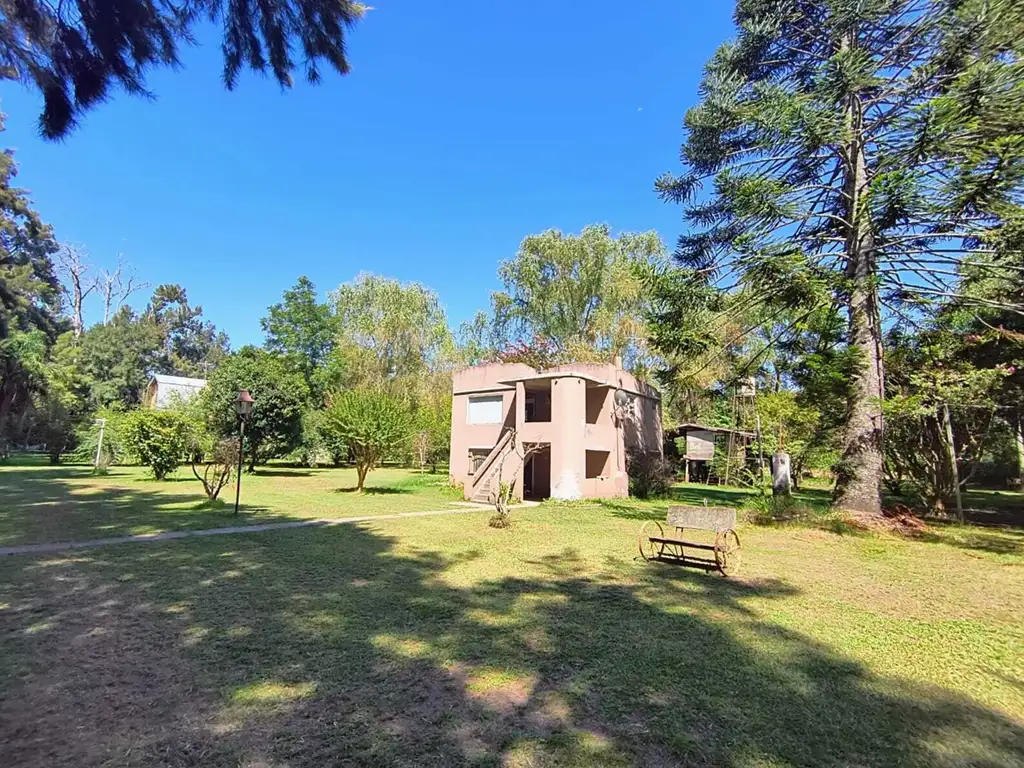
(265, 472)
(378, 490)
(329, 647)
(38, 506)
(981, 539)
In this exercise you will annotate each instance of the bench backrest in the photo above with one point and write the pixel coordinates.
(703, 518)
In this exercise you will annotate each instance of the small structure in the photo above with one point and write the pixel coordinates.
(702, 442)
(559, 433)
(164, 391)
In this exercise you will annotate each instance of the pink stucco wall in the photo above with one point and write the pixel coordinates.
(578, 424)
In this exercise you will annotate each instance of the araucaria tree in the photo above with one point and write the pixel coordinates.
(858, 152)
(76, 52)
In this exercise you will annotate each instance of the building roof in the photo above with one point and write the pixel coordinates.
(179, 381)
(682, 429)
(559, 375)
(169, 387)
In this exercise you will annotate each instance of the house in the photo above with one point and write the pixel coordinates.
(163, 391)
(560, 433)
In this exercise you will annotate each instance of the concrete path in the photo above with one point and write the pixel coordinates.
(60, 546)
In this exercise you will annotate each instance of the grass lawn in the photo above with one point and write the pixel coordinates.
(39, 503)
(442, 642)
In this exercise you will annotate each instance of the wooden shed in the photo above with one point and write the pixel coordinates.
(701, 444)
(163, 391)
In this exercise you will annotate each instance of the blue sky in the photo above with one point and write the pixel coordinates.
(463, 127)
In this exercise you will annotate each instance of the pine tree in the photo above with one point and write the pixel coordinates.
(74, 52)
(859, 150)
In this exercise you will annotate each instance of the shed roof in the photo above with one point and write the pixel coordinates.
(682, 429)
(179, 381)
(170, 387)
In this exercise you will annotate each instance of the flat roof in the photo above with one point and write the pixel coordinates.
(559, 375)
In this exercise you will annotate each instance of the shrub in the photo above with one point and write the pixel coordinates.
(320, 444)
(162, 440)
(650, 475)
(115, 450)
(502, 502)
(217, 472)
(371, 422)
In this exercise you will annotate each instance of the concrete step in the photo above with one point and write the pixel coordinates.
(482, 495)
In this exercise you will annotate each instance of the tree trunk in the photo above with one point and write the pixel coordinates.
(1019, 435)
(108, 300)
(361, 471)
(7, 395)
(954, 472)
(859, 482)
(77, 323)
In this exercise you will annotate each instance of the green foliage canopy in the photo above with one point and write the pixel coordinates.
(856, 153)
(275, 427)
(76, 52)
(584, 294)
(160, 439)
(387, 330)
(371, 422)
(301, 328)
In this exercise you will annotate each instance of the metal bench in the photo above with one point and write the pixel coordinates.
(655, 545)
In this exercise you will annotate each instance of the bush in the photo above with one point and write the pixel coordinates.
(217, 471)
(766, 509)
(650, 475)
(320, 444)
(115, 450)
(162, 440)
(372, 423)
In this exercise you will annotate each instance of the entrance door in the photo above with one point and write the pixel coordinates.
(537, 476)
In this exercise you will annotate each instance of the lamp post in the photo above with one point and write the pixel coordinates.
(243, 407)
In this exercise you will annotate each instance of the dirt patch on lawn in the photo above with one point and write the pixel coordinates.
(99, 678)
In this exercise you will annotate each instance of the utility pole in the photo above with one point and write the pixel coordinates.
(99, 443)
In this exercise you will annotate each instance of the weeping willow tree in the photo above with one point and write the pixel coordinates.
(849, 154)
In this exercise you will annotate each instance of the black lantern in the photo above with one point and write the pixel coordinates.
(243, 404)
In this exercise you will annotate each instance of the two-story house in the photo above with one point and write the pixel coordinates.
(559, 433)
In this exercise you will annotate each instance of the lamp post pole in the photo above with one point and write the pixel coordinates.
(238, 481)
(243, 407)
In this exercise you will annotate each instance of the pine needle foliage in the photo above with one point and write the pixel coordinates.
(850, 153)
(76, 52)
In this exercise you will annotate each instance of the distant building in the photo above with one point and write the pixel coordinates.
(558, 433)
(164, 391)
(703, 443)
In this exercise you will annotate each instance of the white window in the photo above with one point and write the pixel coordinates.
(484, 410)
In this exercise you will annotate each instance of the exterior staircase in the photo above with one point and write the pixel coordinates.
(482, 493)
(485, 479)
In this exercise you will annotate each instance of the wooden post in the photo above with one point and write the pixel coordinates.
(948, 424)
(99, 444)
(686, 470)
(760, 443)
